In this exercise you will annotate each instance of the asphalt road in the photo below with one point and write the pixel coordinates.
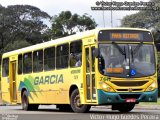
(50, 112)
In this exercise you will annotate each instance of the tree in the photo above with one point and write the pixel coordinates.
(22, 22)
(16, 45)
(149, 19)
(67, 23)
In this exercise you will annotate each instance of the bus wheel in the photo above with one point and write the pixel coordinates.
(75, 103)
(34, 106)
(126, 107)
(25, 102)
(65, 108)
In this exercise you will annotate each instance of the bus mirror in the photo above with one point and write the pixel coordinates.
(96, 53)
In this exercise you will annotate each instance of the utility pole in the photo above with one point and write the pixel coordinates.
(103, 15)
(111, 16)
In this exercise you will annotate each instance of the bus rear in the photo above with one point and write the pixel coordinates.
(126, 68)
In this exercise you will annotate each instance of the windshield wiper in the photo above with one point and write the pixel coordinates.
(123, 52)
(133, 52)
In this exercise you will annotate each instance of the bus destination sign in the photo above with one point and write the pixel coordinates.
(125, 35)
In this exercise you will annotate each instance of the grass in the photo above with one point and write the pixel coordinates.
(151, 103)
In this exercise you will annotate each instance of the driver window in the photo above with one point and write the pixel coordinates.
(76, 54)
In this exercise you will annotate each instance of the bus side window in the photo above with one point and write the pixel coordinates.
(27, 62)
(62, 56)
(87, 61)
(5, 67)
(93, 58)
(38, 61)
(19, 64)
(76, 54)
(49, 58)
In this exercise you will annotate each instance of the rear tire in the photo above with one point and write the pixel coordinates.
(75, 103)
(125, 107)
(25, 103)
(34, 106)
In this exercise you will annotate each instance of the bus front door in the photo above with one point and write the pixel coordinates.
(12, 73)
(90, 83)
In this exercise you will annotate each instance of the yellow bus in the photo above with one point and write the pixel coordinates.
(109, 66)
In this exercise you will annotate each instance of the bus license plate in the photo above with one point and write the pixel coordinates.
(130, 100)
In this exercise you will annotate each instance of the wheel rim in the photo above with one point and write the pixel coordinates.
(77, 102)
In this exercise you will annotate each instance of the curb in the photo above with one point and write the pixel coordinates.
(146, 107)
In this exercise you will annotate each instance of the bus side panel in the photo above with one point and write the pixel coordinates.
(36, 92)
(38, 97)
(5, 90)
(19, 78)
(19, 87)
(58, 92)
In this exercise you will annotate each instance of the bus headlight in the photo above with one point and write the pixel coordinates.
(107, 88)
(152, 86)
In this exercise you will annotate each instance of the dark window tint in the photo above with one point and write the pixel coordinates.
(87, 60)
(62, 56)
(5, 67)
(27, 63)
(19, 64)
(49, 58)
(76, 54)
(93, 58)
(38, 61)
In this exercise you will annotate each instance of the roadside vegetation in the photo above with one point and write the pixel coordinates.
(151, 103)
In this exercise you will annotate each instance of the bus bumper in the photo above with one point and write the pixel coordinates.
(113, 97)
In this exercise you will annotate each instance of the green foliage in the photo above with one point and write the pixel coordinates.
(158, 71)
(67, 23)
(134, 20)
(158, 57)
(16, 45)
(144, 19)
(23, 25)
(22, 22)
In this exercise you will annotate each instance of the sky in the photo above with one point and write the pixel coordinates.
(54, 7)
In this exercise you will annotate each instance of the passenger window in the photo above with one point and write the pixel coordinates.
(76, 54)
(62, 56)
(87, 60)
(49, 58)
(19, 64)
(5, 67)
(27, 63)
(93, 58)
(38, 61)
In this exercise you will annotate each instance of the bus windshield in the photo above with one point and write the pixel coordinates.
(136, 61)
(143, 59)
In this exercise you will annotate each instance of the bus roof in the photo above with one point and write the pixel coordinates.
(70, 38)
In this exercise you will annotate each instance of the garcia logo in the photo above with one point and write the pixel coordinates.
(52, 79)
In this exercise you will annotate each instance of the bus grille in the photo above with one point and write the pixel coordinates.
(127, 90)
(129, 83)
(124, 96)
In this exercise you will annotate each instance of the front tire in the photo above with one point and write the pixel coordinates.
(126, 107)
(65, 108)
(75, 103)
